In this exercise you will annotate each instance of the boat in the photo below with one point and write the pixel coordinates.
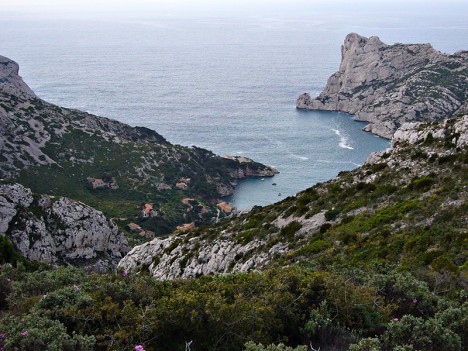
(262, 179)
(273, 184)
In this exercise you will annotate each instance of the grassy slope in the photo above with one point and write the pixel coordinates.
(409, 209)
(85, 146)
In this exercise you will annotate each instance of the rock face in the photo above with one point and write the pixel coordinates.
(189, 256)
(10, 81)
(388, 85)
(59, 230)
(296, 226)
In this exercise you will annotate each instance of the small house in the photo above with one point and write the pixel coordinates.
(186, 227)
(98, 183)
(225, 207)
(147, 211)
(133, 227)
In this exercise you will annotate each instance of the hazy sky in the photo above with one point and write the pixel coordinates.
(225, 7)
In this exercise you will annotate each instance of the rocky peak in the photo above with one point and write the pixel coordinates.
(354, 43)
(388, 85)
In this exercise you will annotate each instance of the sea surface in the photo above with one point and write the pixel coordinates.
(225, 84)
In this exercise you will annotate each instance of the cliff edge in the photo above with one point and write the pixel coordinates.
(388, 85)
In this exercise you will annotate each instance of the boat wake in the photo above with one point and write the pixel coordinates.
(341, 162)
(343, 140)
(286, 150)
(303, 158)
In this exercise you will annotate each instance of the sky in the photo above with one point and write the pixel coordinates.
(224, 7)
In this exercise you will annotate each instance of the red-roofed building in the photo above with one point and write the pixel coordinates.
(98, 183)
(225, 207)
(147, 211)
(134, 227)
(186, 227)
(181, 185)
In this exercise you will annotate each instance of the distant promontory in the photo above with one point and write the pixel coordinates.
(387, 85)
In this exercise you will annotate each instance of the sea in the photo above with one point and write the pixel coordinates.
(228, 84)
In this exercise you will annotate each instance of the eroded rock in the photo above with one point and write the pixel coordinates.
(388, 85)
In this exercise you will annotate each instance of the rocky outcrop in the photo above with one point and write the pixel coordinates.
(192, 255)
(420, 152)
(388, 85)
(422, 140)
(59, 230)
(10, 81)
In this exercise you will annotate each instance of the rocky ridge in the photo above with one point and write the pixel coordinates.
(388, 85)
(287, 231)
(59, 231)
(56, 150)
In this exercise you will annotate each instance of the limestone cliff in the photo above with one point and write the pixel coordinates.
(59, 230)
(387, 85)
(416, 186)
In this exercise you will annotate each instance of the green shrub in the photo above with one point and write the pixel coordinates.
(366, 187)
(251, 346)
(330, 215)
(324, 227)
(290, 229)
(429, 139)
(37, 333)
(377, 167)
(421, 183)
(369, 344)
(420, 334)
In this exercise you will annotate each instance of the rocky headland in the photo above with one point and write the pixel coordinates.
(388, 85)
(107, 164)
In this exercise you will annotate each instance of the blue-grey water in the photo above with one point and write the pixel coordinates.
(226, 84)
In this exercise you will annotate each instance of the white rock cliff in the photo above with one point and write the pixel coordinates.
(59, 230)
(388, 85)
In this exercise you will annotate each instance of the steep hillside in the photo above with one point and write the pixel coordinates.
(405, 206)
(58, 230)
(373, 260)
(388, 85)
(107, 164)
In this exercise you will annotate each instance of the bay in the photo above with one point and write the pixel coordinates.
(225, 84)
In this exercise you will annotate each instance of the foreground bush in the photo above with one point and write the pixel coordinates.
(65, 309)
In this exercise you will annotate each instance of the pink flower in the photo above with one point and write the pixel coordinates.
(124, 274)
(395, 319)
(139, 348)
(8, 279)
(2, 335)
(76, 287)
(24, 333)
(415, 300)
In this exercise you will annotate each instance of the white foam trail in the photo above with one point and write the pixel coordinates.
(341, 162)
(343, 140)
(299, 157)
(286, 150)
